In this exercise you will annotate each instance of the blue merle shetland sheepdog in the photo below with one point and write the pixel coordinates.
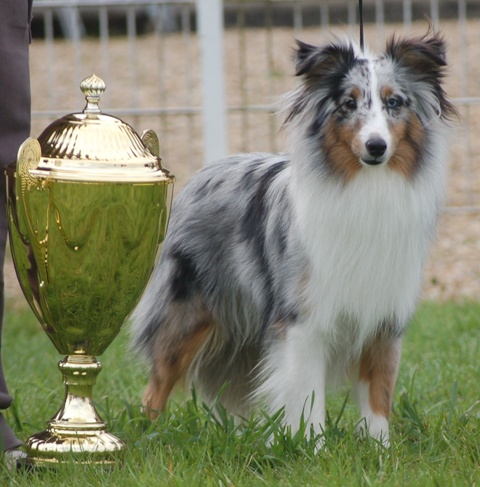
(282, 273)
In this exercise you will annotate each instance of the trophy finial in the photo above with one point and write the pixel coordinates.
(92, 87)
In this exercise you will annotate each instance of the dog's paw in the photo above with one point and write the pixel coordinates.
(375, 427)
(320, 445)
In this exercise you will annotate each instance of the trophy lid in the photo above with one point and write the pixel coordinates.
(92, 146)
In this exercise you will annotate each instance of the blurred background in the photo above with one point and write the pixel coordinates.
(207, 75)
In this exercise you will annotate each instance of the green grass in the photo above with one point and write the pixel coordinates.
(435, 423)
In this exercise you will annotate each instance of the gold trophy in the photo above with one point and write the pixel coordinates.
(88, 207)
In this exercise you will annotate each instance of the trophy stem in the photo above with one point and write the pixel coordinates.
(76, 432)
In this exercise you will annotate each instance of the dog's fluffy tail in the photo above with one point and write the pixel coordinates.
(149, 315)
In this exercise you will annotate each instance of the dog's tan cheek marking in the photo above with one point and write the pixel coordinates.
(378, 368)
(339, 140)
(407, 136)
(357, 145)
(170, 365)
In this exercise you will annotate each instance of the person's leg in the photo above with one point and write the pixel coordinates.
(14, 129)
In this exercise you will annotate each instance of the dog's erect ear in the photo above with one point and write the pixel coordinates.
(304, 57)
(423, 60)
(316, 62)
(322, 70)
(423, 56)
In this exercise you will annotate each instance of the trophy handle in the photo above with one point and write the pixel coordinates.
(28, 158)
(150, 139)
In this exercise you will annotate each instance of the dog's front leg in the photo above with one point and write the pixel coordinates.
(295, 380)
(374, 386)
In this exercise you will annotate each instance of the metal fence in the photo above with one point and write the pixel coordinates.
(150, 54)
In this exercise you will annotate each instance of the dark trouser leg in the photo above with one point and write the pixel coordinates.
(7, 438)
(14, 129)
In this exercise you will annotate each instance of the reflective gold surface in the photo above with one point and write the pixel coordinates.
(88, 207)
(83, 252)
(76, 431)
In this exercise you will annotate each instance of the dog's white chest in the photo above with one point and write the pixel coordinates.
(366, 243)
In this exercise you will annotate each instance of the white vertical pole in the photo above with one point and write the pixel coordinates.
(210, 31)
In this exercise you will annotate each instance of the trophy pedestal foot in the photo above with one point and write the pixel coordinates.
(48, 449)
(76, 433)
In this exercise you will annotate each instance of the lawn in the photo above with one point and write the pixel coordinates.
(435, 424)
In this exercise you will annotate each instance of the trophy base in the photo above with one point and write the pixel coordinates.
(76, 433)
(48, 449)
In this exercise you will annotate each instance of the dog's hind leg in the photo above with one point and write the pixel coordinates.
(374, 386)
(173, 355)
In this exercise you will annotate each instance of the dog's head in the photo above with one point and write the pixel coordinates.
(362, 110)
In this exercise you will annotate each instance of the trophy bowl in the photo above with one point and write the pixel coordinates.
(88, 206)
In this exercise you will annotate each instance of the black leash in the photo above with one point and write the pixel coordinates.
(360, 9)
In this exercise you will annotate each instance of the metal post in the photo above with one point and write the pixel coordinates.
(210, 31)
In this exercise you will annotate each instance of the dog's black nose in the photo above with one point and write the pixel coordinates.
(376, 147)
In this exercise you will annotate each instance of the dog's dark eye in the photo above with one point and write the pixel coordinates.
(350, 104)
(393, 103)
